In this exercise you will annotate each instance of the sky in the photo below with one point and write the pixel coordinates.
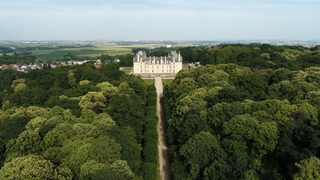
(159, 20)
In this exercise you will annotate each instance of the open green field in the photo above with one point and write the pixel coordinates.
(9, 54)
(93, 50)
(149, 82)
(167, 81)
(185, 66)
(126, 69)
(85, 51)
(111, 50)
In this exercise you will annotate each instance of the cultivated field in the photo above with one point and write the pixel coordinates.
(82, 51)
(99, 49)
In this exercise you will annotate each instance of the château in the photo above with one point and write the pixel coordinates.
(152, 66)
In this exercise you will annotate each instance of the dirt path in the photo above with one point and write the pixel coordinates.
(162, 143)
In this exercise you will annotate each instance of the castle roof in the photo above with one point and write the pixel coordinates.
(173, 56)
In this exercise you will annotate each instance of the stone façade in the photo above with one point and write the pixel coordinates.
(167, 66)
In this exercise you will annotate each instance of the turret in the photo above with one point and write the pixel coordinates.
(179, 57)
(139, 56)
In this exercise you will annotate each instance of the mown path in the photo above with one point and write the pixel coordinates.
(162, 143)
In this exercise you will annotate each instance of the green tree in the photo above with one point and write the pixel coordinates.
(71, 79)
(308, 169)
(33, 167)
(107, 89)
(95, 101)
(122, 170)
(264, 135)
(200, 150)
(92, 170)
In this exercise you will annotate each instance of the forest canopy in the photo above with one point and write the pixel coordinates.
(72, 123)
(232, 122)
(248, 55)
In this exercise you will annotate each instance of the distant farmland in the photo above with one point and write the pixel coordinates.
(87, 51)
(111, 50)
(97, 49)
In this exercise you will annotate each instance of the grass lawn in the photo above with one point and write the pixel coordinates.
(126, 69)
(167, 82)
(185, 66)
(149, 82)
(9, 54)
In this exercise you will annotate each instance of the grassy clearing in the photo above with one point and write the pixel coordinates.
(185, 66)
(9, 54)
(126, 69)
(149, 82)
(167, 82)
